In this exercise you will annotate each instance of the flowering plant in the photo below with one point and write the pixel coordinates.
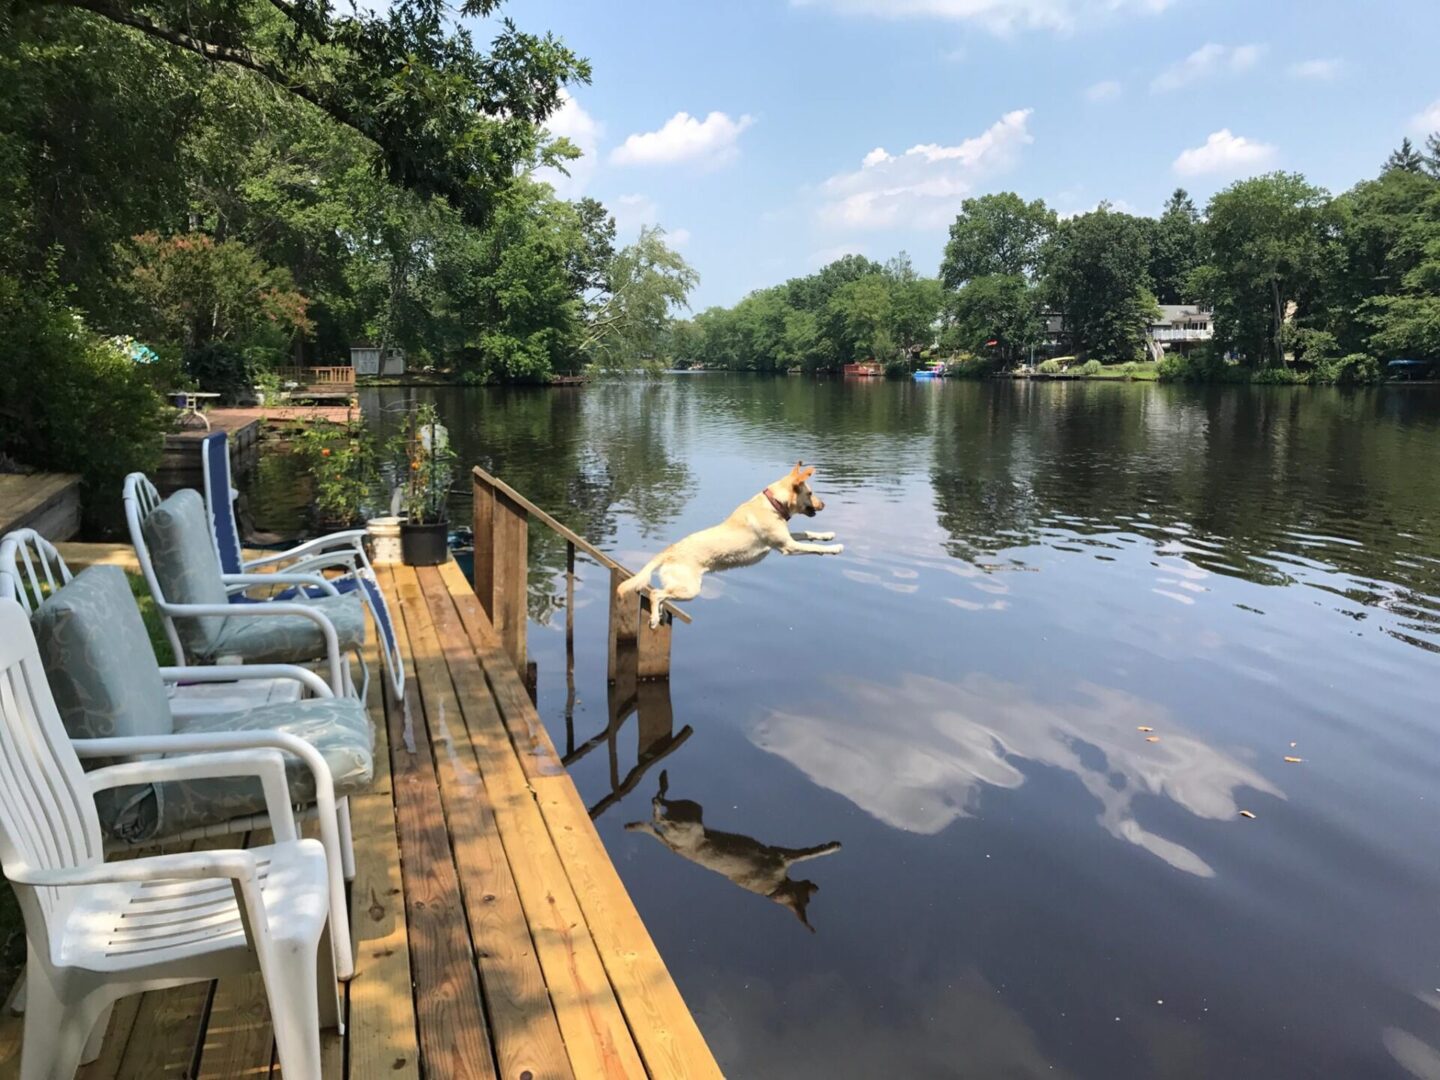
(425, 466)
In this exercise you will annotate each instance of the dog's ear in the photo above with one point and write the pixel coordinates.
(799, 475)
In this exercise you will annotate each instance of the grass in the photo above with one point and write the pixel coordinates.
(153, 626)
(1146, 372)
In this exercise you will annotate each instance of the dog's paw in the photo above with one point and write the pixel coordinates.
(838, 549)
(824, 536)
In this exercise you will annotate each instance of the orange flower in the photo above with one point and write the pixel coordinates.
(415, 465)
(325, 452)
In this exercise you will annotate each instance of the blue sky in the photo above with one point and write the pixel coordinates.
(769, 137)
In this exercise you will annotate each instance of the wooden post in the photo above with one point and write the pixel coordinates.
(654, 645)
(569, 647)
(624, 621)
(484, 576)
(510, 536)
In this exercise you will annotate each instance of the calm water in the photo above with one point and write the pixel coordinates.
(1007, 877)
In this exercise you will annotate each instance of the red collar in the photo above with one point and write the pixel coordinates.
(780, 508)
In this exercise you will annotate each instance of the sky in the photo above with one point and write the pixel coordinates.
(771, 136)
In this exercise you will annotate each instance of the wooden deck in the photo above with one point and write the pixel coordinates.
(493, 936)
(46, 502)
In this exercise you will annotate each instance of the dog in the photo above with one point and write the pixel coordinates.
(757, 527)
(755, 867)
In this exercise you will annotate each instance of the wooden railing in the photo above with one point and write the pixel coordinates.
(339, 375)
(502, 569)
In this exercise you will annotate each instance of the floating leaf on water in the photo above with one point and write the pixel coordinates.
(1246, 813)
(1142, 727)
(1294, 760)
(1152, 738)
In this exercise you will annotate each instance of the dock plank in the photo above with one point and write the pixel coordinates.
(454, 1036)
(523, 1023)
(590, 1016)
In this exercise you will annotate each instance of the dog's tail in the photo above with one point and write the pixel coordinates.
(640, 580)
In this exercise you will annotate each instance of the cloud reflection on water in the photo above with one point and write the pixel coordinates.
(925, 769)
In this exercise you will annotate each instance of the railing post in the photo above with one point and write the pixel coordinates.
(654, 645)
(484, 573)
(624, 622)
(510, 536)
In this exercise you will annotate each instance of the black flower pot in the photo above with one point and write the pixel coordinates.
(424, 545)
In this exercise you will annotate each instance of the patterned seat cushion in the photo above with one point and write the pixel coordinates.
(338, 727)
(281, 639)
(178, 538)
(102, 672)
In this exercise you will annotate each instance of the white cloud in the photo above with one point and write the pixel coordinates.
(1224, 152)
(684, 138)
(677, 238)
(632, 212)
(1321, 70)
(923, 187)
(999, 16)
(962, 738)
(1427, 119)
(572, 122)
(1206, 62)
(1108, 90)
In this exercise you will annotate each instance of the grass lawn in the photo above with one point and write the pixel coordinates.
(1146, 372)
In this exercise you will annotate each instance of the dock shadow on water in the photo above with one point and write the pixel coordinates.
(1076, 635)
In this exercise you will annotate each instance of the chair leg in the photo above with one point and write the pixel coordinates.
(347, 839)
(294, 1012)
(96, 1042)
(326, 987)
(56, 1033)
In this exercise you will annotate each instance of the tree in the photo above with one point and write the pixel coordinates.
(645, 281)
(1406, 158)
(1267, 239)
(1175, 248)
(995, 234)
(1432, 154)
(1096, 275)
(1003, 308)
(446, 119)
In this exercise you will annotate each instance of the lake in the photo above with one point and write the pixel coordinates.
(1077, 629)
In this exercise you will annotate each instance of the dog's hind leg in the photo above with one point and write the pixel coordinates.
(676, 583)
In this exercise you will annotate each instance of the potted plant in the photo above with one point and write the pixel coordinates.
(425, 464)
(343, 470)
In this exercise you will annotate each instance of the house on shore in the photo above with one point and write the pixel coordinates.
(1177, 330)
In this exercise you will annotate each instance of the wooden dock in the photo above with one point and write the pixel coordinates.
(493, 935)
(49, 503)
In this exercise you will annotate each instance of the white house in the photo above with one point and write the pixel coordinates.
(1180, 327)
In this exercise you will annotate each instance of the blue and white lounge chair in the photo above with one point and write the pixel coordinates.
(335, 551)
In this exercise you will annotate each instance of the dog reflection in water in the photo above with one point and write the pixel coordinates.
(756, 867)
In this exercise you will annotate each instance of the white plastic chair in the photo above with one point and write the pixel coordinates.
(141, 499)
(99, 931)
(343, 551)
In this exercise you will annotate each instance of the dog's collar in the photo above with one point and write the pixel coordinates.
(780, 508)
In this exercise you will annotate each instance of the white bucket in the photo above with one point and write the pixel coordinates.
(385, 540)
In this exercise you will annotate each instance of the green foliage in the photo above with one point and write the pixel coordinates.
(1004, 308)
(71, 401)
(646, 281)
(1175, 249)
(996, 235)
(1051, 367)
(1096, 275)
(343, 463)
(1351, 369)
(223, 368)
(1091, 367)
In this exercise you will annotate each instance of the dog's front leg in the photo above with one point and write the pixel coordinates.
(795, 547)
(804, 535)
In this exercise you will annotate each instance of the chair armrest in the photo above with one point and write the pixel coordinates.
(267, 764)
(352, 538)
(236, 864)
(241, 672)
(273, 607)
(308, 580)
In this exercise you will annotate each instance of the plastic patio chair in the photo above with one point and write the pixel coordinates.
(100, 931)
(31, 568)
(108, 686)
(194, 602)
(336, 551)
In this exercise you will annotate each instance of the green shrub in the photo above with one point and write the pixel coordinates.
(1279, 376)
(1130, 368)
(1348, 370)
(73, 402)
(1051, 367)
(966, 366)
(223, 368)
(1091, 367)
